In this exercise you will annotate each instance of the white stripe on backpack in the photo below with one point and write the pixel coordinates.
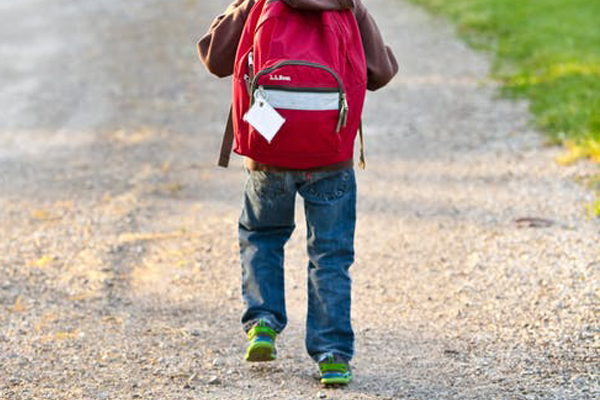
(307, 101)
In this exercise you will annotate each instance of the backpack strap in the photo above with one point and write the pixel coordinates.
(361, 162)
(227, 143)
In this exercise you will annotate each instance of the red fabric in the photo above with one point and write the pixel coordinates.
(276, 32)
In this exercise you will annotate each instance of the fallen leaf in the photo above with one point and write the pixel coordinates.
(112, 319)
(576, 151)
(18, 307)
(131, 138)
(66, 335)
(534, 222)
(42, 261)
(174, 187)
(593, 208)
(82, 296)
(44, 215)
(61, 336)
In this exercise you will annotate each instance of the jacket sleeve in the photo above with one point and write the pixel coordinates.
(381, 62)
(218, 47)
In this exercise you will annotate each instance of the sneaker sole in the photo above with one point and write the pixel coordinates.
(337, 381)
(260, 352)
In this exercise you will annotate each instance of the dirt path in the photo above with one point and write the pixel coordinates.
(118, 255)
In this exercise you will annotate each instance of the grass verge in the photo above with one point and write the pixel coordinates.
(547, 51)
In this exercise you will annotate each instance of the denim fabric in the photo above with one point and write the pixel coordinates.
(266, 224)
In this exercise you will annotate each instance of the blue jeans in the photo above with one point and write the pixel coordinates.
(266, 224)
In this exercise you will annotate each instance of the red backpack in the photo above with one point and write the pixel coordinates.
(310, 67)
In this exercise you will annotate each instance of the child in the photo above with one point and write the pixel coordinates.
(267, 218)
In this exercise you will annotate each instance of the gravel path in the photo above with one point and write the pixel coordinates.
(118, 255)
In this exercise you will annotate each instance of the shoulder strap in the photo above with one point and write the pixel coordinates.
(362, 164)
(227, 143)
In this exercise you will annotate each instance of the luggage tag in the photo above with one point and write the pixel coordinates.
(263, 117)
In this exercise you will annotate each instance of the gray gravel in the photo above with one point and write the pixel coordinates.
(118, 255)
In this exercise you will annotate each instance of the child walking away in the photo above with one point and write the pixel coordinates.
(300, 71)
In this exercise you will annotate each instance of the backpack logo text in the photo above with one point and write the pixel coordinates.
(280, 78)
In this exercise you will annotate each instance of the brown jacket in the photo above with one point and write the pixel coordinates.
(218, 47)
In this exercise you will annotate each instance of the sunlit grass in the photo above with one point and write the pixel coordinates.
(547, 51)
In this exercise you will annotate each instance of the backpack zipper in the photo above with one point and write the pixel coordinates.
(343, 105)
(299, 89)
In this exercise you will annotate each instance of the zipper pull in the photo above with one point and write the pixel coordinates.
(262, 93)
(251, 65)
(338, 128)
(260, 96)
(250, 74)
(346, 109)
(343, 118)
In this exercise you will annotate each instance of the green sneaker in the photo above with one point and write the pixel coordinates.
(335, 370)
(261, 343)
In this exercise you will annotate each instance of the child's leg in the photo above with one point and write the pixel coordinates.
(266, 223)
(330, 207)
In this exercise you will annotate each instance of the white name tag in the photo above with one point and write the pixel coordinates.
(264, 118)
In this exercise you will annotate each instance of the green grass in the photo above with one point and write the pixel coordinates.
(545, 50)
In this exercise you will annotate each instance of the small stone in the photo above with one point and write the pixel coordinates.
(103, 396)
(214, 380)
(580, 381)
(196, 332)
(217, 362)
(322, 395)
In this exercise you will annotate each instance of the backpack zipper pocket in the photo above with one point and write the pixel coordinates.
(311, 93)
